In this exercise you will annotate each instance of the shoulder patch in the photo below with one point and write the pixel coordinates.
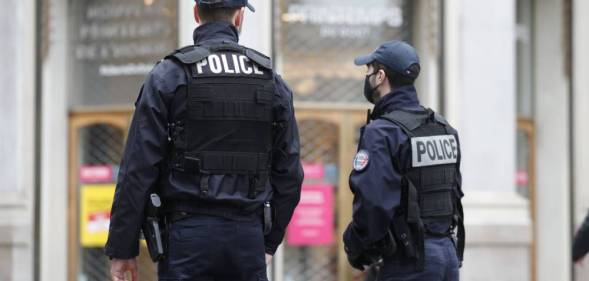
(361, 160)
(434, 150)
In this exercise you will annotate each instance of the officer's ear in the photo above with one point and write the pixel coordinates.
(238, 21)
(196, 15)
(381, 76)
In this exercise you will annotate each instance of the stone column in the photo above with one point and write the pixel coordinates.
(17, 136)
(552, 132)
(580, 117)
(480, 101)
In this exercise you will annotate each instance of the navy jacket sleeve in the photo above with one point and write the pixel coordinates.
(140, 166)
(581, 242)
(287, 174)
(376, 187)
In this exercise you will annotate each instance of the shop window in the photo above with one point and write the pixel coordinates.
(317, 40)
(114, 44)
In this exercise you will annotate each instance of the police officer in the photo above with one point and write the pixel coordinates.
(214, 134)
(407, 215)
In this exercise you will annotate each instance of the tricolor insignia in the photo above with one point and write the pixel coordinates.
(361, 160)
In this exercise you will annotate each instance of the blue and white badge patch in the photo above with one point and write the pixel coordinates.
(361, 160)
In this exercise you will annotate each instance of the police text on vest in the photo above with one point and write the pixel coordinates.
(434, 150)
(228, 63)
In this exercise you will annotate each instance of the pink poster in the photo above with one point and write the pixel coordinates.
(314, 171)
(312, 222)
(96, 174)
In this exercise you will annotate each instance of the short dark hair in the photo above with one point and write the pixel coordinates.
(396, 79)
(208, 14)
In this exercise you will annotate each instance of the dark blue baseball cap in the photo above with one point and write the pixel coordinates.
(397, 56)
(225, 4)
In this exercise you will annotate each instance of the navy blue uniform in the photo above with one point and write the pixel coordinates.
(238, 245)
(377, 194)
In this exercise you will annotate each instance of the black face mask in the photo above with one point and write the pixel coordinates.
(369, 92)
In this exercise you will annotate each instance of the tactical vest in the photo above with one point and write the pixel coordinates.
(430, 189)
(227, 128)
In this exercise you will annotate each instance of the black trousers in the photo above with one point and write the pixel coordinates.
(208, 248)
(441, 264)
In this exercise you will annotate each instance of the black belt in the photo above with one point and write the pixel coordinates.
(177, 216)
(180, 211)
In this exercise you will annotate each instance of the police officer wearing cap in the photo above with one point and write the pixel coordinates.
(214, 134)
(407, 212)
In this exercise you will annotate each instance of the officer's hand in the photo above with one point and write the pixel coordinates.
(357, 263)
(268, 259)
(119, 269)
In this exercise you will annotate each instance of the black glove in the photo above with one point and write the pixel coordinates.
(359, 257)
(356, 261)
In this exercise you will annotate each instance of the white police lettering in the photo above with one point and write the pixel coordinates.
(257, 70)
(236, 63)
(215, 63)
(226, 65)
(244, 68)
(434, 150)
(223, 64)
(200, 65)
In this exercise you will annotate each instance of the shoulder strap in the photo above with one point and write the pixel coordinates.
(440, 119)
(408, 121)
(259, 58)
(190, 54)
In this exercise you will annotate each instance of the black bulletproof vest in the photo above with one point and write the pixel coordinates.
(227, 129)
(430, 192)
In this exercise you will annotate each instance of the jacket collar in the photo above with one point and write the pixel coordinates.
(217, 31)
(404, 97)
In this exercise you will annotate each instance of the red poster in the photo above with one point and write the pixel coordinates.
(312, 222)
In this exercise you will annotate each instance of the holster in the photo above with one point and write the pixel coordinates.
(267, 218)
(154, 229)
(153, 233)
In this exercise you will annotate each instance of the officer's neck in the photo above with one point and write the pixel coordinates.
(216, 30)
(384, 90)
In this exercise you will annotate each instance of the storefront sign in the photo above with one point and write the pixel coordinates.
(115, 43)
(95, 205)
(312, 223)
